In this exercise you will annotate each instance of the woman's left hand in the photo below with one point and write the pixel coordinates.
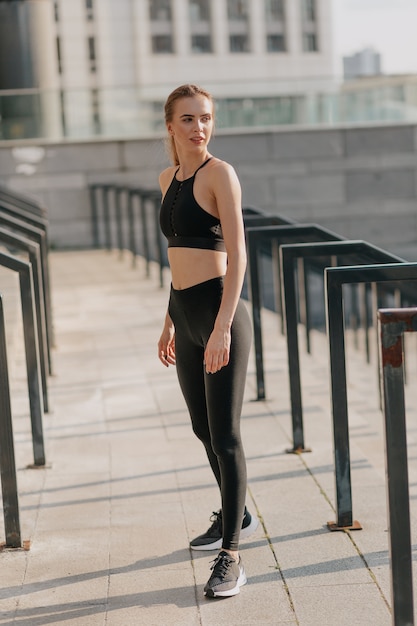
(216, 354)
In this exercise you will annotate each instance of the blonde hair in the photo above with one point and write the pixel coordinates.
(184, 91)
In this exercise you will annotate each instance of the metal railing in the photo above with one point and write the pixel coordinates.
(121, 225)
(358, 264)
(393, 324)
(23, 228)
(125, 217)
(333, 253)
(335, 278)
(16, 215)
(278, 235)
(7, 455)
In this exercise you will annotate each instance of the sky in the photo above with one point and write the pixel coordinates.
(389, 26)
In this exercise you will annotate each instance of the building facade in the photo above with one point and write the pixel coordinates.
(113, 55)
(111, 63)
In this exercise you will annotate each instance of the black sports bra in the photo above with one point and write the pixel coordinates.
(184, 222)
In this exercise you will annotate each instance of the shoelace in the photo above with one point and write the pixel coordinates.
(223, 562)
(216, 518)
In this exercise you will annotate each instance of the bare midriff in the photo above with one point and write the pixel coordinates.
(191, 266)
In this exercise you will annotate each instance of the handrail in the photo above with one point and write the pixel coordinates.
(25, 202)
(340, 253)
(278, 235)
(37, 235)
(393, 324)
(31, 351)
(108, 214)
(24, 227)
(7, 456)
(335, 278)
(32, 248)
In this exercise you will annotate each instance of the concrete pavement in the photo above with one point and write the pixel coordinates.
(127, 484)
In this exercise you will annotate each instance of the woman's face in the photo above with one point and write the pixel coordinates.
(192, 123)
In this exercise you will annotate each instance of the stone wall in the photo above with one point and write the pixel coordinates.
(359, 182)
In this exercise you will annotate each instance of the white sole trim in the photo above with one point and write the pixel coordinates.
(242, 580)
(246, 532)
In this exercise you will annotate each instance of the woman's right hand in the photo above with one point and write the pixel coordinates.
(166, 345)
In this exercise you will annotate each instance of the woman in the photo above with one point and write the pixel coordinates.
(207, 331)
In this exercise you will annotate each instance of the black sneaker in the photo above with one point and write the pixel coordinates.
(212, 539)
(227, 577)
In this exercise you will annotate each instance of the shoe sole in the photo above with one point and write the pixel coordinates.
(216, 545)
(242, 580)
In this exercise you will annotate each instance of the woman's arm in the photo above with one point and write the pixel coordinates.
(228, 196)
(166, 343)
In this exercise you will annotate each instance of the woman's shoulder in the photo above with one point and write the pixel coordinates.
(166, 176)
(221, 168)
(222, 171)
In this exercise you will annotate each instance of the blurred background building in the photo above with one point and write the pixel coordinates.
(105, 67)
(366, 62)
(83, 82)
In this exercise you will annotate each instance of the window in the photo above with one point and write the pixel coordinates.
(89, 9)
(275, 26)
(309, 10)
(239, 43)
(199, 10)
(274, 10)
(309, 15)
(162, 44)
(237, 9)
(200, 26)
(201, 43)
(310, 42)
(275, 43)
(92, 53)
(160, 12)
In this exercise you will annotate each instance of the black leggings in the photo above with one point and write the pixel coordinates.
(214, 400)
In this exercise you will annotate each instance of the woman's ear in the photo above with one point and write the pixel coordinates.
(169, 129)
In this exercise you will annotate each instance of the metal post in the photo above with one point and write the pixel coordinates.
(364, 317)
(255, 297)
(393, 323)
(303, 308)
(336, 337)
(118, 210)
(291, 327)
(32, 363)
(145, 237)
(7, 457)
(106, 216)
(131, 222)
(276, 281)
(94, 215)
(159, 249)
